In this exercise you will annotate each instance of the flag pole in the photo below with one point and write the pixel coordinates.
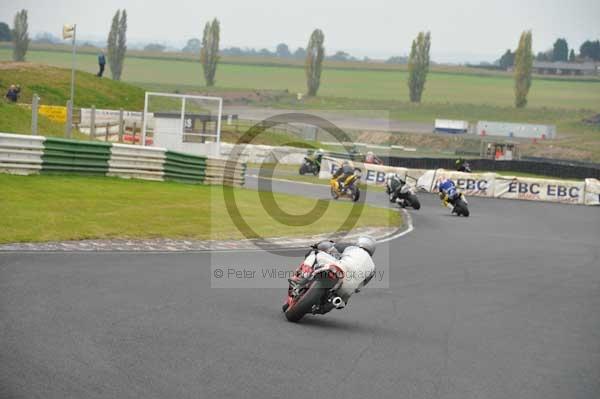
(73, 67)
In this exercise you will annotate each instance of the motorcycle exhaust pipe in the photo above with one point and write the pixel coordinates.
(338, 302)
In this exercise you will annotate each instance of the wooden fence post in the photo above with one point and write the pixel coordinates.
(93, 122)
(121, 125)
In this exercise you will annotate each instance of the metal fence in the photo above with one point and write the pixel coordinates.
(558, 168)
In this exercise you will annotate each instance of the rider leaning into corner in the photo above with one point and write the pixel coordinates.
(316, 156)
(355, 260)
(393, 184)
(447, 192)
(342, 173)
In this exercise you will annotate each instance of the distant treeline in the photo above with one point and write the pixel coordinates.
(282, 50)
(588, 51)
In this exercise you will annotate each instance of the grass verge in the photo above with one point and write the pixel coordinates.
(53, 85)
(16, 119)
(46, 208)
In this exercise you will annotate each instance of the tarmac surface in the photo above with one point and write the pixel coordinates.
(503, 304)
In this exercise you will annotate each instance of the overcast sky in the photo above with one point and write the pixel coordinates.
(462, 30)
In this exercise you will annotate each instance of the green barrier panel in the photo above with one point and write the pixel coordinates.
(72, 156)
(90, 157)
(185, 158)
(69, 154)
(184, 167)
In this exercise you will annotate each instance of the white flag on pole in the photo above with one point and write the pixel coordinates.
(68, 31)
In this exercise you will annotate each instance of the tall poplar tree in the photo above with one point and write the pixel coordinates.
(209, 53)
(315, 52)
(418, 66)
(523, 67)
(117, 44)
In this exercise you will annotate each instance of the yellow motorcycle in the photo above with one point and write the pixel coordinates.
(348, 188)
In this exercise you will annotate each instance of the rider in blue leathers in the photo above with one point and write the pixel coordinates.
(448, 192)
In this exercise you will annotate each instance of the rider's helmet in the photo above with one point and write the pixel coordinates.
(325, 246)
(345, 163)
(445, 184)
(367, 243)
(390, 176)
(441, 185)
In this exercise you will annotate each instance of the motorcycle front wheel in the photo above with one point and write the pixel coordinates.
(334, 194)
(355, 194)
(461, 208)
(414, 202)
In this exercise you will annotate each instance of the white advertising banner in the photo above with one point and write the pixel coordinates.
(471, 184)
(489, 185)
(371, 174)
(592, 192)
(532, 189)
(108, 116)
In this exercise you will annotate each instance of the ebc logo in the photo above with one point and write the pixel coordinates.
(472, 184)
(375, 176)
(555, 190)
(524, 188)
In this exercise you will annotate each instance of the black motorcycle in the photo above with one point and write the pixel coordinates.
(460, 205)
(403, 195)
(310, 166)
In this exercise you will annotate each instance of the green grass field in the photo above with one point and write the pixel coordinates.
(45, 208)
(453, 95)
(442, 87)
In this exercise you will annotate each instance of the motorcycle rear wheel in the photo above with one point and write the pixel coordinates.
(304, 305)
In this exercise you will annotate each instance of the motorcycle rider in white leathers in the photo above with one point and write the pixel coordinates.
(354, 260)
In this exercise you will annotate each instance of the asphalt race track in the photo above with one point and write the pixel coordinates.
(504, 304)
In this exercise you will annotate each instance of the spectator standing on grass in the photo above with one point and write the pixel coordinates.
(13, 93)
(101, 63)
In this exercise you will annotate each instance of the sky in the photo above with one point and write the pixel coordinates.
(461, 30)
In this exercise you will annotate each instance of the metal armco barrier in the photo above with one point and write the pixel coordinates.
(136, 162)
(23, 154)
